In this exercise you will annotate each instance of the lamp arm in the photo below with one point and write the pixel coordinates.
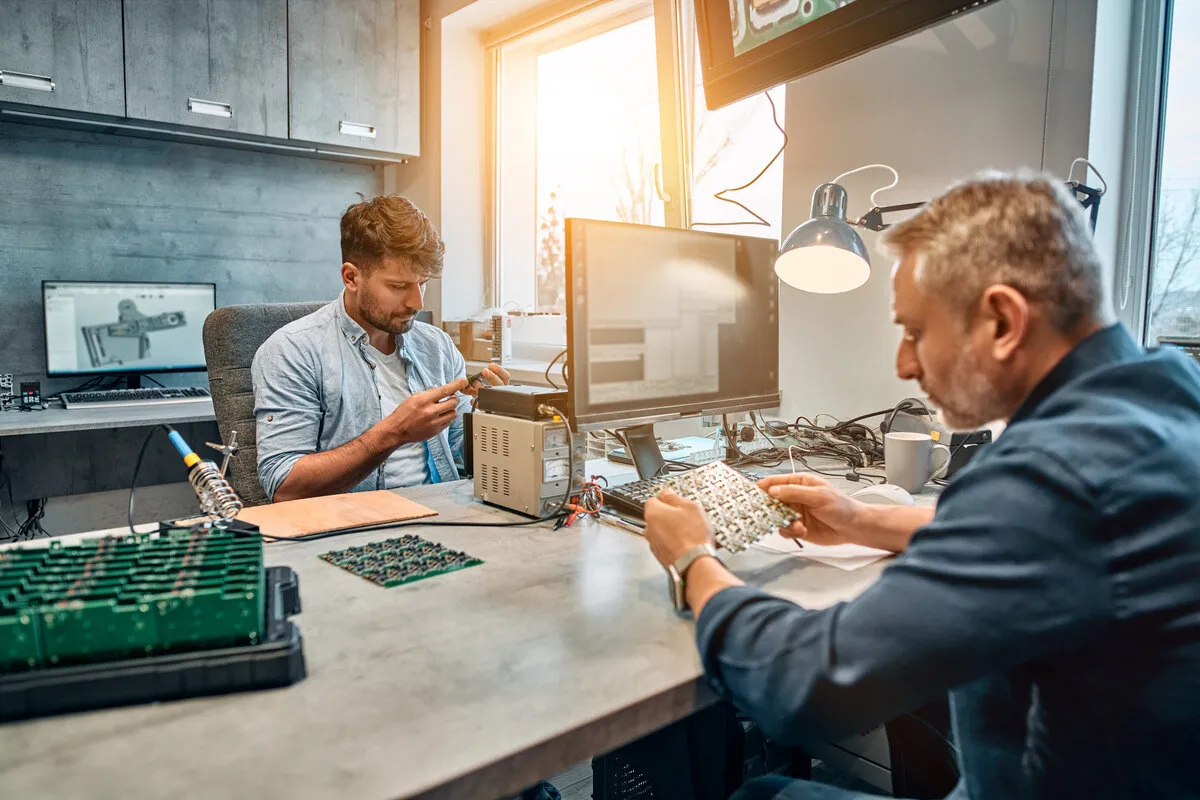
(1090, 200)
(873, 219)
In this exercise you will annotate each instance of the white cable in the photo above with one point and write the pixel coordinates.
(791, 461)
(895, 178)
(1071, 171)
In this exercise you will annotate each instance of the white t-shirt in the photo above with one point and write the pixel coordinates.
(407, 465)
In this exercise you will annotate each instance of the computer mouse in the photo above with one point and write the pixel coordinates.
(884, 494)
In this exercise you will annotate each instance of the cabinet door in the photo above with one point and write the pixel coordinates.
(208, 63)
(354, 74)
(72, 45)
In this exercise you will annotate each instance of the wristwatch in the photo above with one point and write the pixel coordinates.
(677, 571)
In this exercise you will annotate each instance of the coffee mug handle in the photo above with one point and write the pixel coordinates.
(939, 471)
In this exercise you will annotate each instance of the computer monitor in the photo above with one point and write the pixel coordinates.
(124, 328)
(664, 323)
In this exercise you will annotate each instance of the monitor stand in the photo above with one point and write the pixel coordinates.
(133, 380)
(647, 457)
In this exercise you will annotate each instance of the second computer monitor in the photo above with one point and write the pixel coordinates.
(109, 327)
(666, 323)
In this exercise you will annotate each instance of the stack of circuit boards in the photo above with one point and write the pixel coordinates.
(140, 618)
(393, 562)
(116, 598)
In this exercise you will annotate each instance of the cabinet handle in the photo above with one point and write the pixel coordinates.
(23, 80)
(356, 129)
(210, 107)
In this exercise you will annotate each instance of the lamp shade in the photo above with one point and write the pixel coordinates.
(824, 255)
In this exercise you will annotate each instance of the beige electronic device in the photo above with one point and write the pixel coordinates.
(524, 464)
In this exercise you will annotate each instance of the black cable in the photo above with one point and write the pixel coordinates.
(312, 537)
(137, 467)
(12, 505)
(36, 511)
(905, 405)
(550, 366)
(154, 381)
(721, 194)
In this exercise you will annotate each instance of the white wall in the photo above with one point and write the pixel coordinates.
(1110, 99)
(449, 175)
(991, 90)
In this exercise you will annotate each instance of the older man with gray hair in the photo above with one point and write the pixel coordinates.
(1055, 592)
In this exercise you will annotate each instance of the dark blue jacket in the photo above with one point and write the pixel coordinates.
(1055, 596)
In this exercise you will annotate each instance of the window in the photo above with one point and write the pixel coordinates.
(729, 147)
(1173, 294)
(598, 144)
(602, 115)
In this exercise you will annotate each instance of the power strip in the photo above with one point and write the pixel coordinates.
(6, 384)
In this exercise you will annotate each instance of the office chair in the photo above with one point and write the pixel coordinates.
(232, 335)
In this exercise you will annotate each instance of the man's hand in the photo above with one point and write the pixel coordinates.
(827, 515)
(492, 375)
(674, 526)
(425, 414)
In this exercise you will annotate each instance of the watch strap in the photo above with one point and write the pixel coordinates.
(677, 571)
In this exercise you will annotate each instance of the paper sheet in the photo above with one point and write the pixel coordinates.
(842, 556)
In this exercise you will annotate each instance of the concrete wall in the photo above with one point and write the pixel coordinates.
(90, 206)
(1005, 87)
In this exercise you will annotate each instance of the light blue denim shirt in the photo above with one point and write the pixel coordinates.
(315, 389)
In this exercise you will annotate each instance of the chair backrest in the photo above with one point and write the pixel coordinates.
(232, 335)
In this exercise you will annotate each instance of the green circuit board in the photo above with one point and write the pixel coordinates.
(393, 562)
(129, 596)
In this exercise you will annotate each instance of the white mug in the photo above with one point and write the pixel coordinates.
(908, 457)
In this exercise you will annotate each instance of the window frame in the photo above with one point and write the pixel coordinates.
(1142, 171)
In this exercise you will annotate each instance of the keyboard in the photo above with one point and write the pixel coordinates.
(117, 398)
(630, 498)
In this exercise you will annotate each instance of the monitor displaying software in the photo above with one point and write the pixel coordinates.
(665, 323)
(101, 327)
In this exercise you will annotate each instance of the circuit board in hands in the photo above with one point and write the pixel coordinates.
(393, 562)
(740, 512)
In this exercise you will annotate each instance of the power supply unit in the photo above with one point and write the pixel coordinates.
(523, 464)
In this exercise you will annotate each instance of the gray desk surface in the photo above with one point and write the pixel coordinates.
(562, 645)
(59, 420)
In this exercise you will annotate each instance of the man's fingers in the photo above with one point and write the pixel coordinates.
(794, 531)
(450, 389)
(796, 495)
(499, 372)
(669, 498)
(796, 479)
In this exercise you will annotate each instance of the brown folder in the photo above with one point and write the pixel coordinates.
(334, 512)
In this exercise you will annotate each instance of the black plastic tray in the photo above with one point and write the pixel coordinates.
(277, 661)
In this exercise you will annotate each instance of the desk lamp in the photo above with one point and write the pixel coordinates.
(825, 255)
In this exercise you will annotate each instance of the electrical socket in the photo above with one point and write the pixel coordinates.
(6, 384)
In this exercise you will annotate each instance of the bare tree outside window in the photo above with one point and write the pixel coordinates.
(1174, 304)
(1173, 292)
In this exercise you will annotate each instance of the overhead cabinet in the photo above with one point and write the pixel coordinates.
(355, 73)
(317, 77)
(208, 63)
(62, 54)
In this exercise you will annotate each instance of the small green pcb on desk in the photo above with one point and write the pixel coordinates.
(393, 562)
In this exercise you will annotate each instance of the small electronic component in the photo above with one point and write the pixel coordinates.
(393, 562)
(31, 393)
(740, 512)
(522, 402)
